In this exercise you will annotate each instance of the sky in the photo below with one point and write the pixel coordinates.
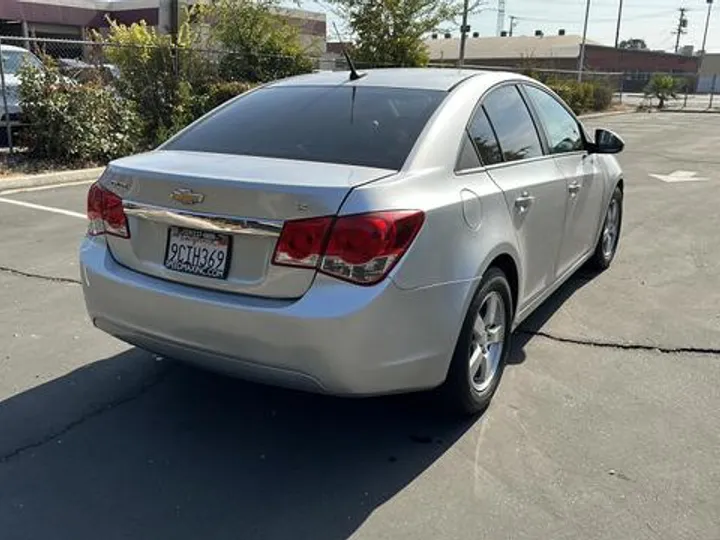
(651, 20)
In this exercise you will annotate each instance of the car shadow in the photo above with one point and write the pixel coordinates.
(128, 447)
(537, 320)
(190, 454)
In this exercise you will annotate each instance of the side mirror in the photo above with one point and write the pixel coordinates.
(607, 142)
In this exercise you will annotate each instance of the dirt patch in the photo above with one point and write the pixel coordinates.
(20, 164)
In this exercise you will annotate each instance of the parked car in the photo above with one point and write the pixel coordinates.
(82, 72)
(13, 58)
(354, 236)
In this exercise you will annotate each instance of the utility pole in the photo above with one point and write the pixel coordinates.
(682, 25)
(617, 30)
(464, 29)
(707, 25)
(513, 24)
(174, 19)
(174, 30)
(500, 17)
(581, 61)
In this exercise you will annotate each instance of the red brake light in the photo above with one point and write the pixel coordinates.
(361, 248)
(301, 242)
(364, 248)
(94, 210)
(105, 212)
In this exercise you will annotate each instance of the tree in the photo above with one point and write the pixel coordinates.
(662, 87)
(261, 44)
(391, 32)
(633, 44)
(162, 78)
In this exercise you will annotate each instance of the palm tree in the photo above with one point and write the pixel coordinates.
(662, 87)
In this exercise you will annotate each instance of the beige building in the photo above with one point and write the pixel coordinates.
(709, 73)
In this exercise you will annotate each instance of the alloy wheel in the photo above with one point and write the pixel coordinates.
(610, 229)
(487, 342)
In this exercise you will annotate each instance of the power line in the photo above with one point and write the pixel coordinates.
(655, 14)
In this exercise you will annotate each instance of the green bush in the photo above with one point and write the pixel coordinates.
(582, 97)
(261, 45)
(165, 81)
(579, 96)
(221, 92)
(269, 66)
(602, 96)
(74, 124)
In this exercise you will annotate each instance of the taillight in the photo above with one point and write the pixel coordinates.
(301, 242)
(361, 248)
(105, 212)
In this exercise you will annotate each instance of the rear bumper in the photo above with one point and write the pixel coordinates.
(338, 338)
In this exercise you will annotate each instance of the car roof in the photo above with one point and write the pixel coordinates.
(11, 48)
(418, 78)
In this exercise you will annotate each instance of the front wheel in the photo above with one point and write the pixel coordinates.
(610, 235)
(482, 348)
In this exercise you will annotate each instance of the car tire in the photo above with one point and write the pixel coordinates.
(472, 381)
(609, 235)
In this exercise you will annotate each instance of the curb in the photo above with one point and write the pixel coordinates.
(689, 111)
(603, 114)
(50, 179)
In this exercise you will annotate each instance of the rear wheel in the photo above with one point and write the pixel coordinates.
(610, 235)
(482, 348)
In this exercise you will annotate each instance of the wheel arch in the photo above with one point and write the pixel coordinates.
(508, 266)
(507, 259)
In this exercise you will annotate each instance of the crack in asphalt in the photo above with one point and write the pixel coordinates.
(620, 346)
(52, 279)
(142, 390)
(158, 379)
(560, 339)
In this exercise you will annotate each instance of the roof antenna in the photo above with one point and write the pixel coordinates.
(354, 75)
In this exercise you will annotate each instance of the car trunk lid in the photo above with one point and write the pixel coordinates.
(238, 204)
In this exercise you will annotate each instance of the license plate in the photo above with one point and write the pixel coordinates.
(200, 253)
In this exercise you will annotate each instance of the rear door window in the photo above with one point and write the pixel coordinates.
(366, 126)
(483, 137)
(513, 124)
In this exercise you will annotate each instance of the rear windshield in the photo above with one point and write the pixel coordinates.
(366, 126)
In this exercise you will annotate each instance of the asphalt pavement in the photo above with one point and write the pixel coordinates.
(606, 425)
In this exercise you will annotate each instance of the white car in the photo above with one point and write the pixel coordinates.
(13, 58)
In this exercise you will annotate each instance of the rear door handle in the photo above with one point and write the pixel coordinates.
(523, 202)
(574, 188)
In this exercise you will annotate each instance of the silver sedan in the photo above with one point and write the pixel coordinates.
(354, 236)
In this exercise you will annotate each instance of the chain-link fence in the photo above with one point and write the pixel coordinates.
(691, 92)
(162, 76)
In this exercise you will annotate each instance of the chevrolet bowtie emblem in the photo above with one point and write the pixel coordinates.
(187, 196)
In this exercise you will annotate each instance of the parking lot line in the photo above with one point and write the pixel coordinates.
(43, 208)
